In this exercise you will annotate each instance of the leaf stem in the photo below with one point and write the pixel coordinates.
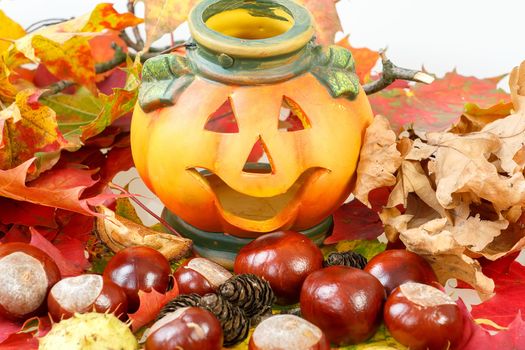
(136, 33)
(391, 73)
(143, 206)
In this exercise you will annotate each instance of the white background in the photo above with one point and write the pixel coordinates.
(483, 38)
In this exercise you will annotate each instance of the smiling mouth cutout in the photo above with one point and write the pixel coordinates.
(237, 205)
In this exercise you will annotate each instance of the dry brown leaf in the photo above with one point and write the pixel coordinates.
(475, 118)
(119, 233)
(379, 159)
(464, 268)
(462, 165)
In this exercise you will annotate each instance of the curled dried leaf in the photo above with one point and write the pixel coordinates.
(119, 233)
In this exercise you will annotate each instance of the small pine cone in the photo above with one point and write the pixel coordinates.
(183, 300)
(348, 258)
(235, 324)
(249, 292)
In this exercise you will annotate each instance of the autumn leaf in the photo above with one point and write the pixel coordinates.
(326, 19)
(31, 129)
(354, 220)
(436, 106)
(164, 16)
(505, 305)
(27, 214)
(23, 335)
(83, 26)
(70, 60)
(365, 59)
(150, 305)
(9, 30)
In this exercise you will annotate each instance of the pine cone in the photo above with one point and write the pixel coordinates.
(183, 300)
(348, 258)
(235, 324)
(249, 292)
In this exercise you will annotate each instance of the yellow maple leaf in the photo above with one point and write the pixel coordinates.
(9, 30)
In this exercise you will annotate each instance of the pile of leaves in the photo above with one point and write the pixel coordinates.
(67, 92)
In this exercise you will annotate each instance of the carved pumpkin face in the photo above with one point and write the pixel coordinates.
(202, 175)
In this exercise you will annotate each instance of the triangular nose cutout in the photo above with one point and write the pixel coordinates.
(259, 160)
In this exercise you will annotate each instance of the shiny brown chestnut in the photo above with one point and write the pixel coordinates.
(288, 332)
(200, 276)
(345, 302)
(397, 266)
(189, 328)
(138, 268)
(282, 258)
(27, 275)
(422, 317)
(86, 293)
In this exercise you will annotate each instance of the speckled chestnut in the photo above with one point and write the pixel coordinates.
(288, 332)
(422, 317)
(26, 276)
(397, 266)
(200, 276)
(189, 328)
(345, 302)
(284, 259)
(138, 268)
(86, 293)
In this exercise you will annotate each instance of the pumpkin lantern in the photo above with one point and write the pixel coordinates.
(254, 64)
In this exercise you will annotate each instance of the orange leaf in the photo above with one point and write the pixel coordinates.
(9, 29)
(104, 16)
(150, 305)
(71, 60)
(327, 22)
(365, 59)
(63, 191)
(32, 129)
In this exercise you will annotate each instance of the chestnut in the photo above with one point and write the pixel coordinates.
(397, 266)
(423, 317)
(200, 276)
(138, 268)
(345, 302)
(27, 275)
(282, 258)
(287, 332)
(86, 293)
(188, 328)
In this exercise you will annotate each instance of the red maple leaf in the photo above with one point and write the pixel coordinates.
(436, 106)
(150, 305)
(355, 220)
(508, 301)
(23, 335)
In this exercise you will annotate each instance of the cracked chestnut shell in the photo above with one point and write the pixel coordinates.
(282, 258)
(422, 317)
(397, 266)
(26, 276)
(345, 302)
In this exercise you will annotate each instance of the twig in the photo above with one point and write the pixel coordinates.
(44, 23)
(391, 73)
(130, 43)
(136, 33)
(139, 203)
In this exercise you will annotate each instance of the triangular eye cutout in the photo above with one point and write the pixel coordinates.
(259, 160)
(292, 117)
(223, 120)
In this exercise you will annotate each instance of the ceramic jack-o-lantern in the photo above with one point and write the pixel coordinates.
(255, 64)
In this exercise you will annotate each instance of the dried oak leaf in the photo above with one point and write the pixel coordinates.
(379, 159)
(118, 233)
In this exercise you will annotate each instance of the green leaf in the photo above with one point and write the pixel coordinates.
(164, 78)
(335, 68)
(125, 209)
(367, 248)
(74, 111)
